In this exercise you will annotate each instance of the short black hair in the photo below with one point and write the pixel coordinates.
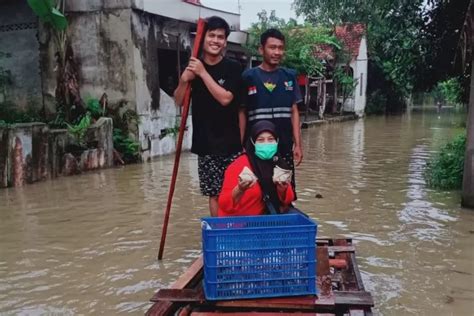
(271, 33)
(215, 22)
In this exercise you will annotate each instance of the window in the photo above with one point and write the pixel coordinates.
(361, 82)
(168, 68)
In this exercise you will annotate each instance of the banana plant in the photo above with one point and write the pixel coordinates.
(49, 12)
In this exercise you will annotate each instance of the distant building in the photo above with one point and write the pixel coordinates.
(354, 39)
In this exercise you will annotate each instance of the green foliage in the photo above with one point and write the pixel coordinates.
(345, 81)
(59, 120)
(11, 115)
(376, 103)
(300, 41)
(93, 106)
(125, 122)
(126, 145)
(445, 170)
(169, 131)
(449, 91)
(79, 130)
(394, 33)
(441, 41)
(47, 11)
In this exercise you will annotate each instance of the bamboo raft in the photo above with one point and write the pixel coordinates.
(339, 283)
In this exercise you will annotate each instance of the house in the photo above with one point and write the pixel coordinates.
(326, 94)
(132, 50)
(354, 39)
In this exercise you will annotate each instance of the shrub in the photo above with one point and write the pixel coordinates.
(448, 91)
(445, 170)
(376, 103)
(127, 146)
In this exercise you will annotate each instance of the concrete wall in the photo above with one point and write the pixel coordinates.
(357, 102)
(101, 40)
(32, 152)
(18, 37)
(360, 72)
(157, 110)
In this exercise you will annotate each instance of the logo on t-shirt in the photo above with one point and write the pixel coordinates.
(221, 81)
(289, 85)
(270, 86)
(252, 90)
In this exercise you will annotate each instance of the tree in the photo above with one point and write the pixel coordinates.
(412, 42)
(5, 76)
(394, 29)
(440, 38)
(468, 175)
(51, 12)
(346, 82)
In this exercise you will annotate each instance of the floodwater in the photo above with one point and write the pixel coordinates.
(88, 244)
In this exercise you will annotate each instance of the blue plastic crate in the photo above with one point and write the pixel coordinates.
(259, 256)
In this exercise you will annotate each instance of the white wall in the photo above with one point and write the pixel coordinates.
(357, 102)
(360, 72)
(153, 121)
(179, 10)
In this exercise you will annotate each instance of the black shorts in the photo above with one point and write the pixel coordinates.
(211, 170)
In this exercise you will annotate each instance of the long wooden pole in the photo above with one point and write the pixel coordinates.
(184, 117)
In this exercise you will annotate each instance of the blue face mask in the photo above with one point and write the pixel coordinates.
(266, 151)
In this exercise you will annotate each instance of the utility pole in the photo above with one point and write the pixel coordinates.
(468, 177)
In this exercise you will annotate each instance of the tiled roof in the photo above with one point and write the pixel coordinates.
(198, 2)
(324, 51)
(351, 35)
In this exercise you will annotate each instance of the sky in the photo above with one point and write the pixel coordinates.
(250, 8)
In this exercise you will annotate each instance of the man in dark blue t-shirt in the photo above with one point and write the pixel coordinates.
(271, 93)
(215, 92)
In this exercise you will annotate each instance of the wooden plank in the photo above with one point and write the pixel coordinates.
(344, 256)
(257, 314)
(185, 311)
(159, 309)
(297, 302)
(358, 277)
(323, 261)
(322, 240)
(341, 249)
(165, 308)
(353, 298)
(179, 295)
(356, 312)
(189, 274)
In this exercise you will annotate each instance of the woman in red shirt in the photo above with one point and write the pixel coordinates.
(243, 190)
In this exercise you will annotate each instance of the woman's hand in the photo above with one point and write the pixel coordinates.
(282, 187)
(240, 189)
(243, 185)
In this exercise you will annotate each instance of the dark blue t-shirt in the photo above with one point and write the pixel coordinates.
(270, 96)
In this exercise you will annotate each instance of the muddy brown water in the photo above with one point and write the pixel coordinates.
(88, 244)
